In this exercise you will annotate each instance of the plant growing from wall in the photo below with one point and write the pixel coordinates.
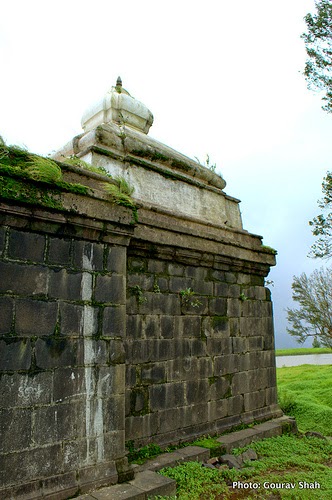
(33, 179)
(187, 298)
(78, 162)
(138, 293)
(120, 193)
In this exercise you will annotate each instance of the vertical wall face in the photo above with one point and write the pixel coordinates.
(196, 364)
(62, 321)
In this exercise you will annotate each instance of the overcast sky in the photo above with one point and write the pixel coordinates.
(221, 78)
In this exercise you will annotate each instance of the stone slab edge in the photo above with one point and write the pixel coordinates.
(272, 428)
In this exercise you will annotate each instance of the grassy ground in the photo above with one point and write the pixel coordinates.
(287, 460)
(303, 350)
(305, 393)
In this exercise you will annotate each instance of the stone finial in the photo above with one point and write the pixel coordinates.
(118, 107)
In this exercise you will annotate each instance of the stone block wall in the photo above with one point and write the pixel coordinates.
(116, 329)
(195, 364)
(62, 323)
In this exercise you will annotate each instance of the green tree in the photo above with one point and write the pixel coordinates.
(322, 224)
(318, 43)
(315, 343)
(314, 316)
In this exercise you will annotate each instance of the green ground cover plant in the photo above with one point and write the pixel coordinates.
(303, 350)
(305, 393)
(283, 459)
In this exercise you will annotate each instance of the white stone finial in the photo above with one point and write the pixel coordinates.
(119, 107)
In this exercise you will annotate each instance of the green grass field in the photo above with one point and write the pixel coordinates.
(305, 393)
(303, 350)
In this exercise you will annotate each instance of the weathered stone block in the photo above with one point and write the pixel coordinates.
(61, 486)
(24, 390)
(203, 287)
(199, 274)
(256, 343)
(136, 265)
(114, 445)
(114, 322)
(24, 491)
(162, 304)
(219, 388)
(242, 383)
(59, 251)
(196, 391)
(6, 314)
(15, 355)
(240, 344)
(134, 326)
(161, 284)
(58, 352)
(143, 426)
(58, 422)
(117, 352)
(271, 396)
(181, 348)
(153, 373)
(235, 405)
(139, 401)
(225, 364)
(221, 289)
(99, 475)
(151, 326)
(88, 256)
(182, 368)
(110, 379)
(254, 400)
(231, 277)
(205, 367)
(219, 325)
(71, 319)
(176, 270)
(195, 414)
(170, 419)
(190, 326)
(131, 376)
(70, 382)
(198, 347)
(164, 396)
(35, 317)
(15, 429)
(178, 284)
(250, 326)
(65, 285)
(26, 246)
(110, 289)
(167, 326)
(23, 279)
(252, 308)
(217, 409)
(38, 462)
(156, 266)
(219, 346)
(142, 281)
(233, 307)
(114, 413)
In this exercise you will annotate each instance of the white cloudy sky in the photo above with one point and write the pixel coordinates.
(220, 77)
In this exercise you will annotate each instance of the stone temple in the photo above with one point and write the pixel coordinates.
(132, 307)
